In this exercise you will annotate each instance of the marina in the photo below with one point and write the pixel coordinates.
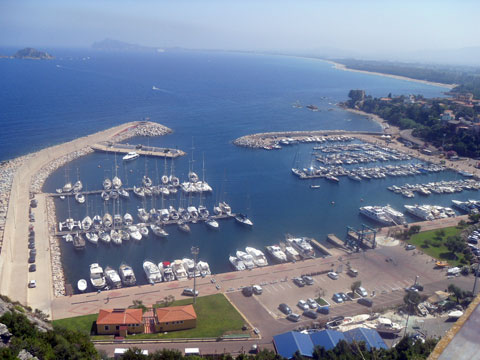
(119, 148)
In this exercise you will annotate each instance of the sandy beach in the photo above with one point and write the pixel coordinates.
(398, 77)
(26, 176)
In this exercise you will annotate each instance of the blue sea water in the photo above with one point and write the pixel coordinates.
(208, 99)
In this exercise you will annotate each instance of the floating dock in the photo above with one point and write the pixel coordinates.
(110, 147)
(332, 238)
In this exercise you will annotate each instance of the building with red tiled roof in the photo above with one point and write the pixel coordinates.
(120, 322)
(175, 318)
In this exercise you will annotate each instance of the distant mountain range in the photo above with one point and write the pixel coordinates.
(117, 45)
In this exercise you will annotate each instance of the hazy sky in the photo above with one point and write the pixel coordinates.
(357, 25)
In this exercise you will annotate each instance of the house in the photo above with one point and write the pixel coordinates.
(175, 318)
(448, 115)
(120, 322)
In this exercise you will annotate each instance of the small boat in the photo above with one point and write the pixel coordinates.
(80, 198)
(104, 236)
(107, 220)
(107, 184)
(68, 238)
(183, 226)
(113, 278)
(455, 314)
(123, 193)
(139, 191)
(314, 186)
(78, 186)
(97, 222)
(143, 229)
(92, 237)
(146, 181)
(78, 242)
(142, 214)
(97, 278)
(127, 275)
(116, 182)
(212, 223)
(132, 155)
(158, 230)
(243, 219)
(67, 187)
(105, 195)
(124, 235)
(117, 220)
(87, 223)
(332, 178)
(441, 264)
(134, 233)
(82, 285)
(226, 209)
(115, 237)
(128, 219)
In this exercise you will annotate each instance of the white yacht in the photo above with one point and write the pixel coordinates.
(243, 219)
(158, 230)
(470, 206)
(203, 268)
(82, 285)
(302, 246)
(179, 270)
(189, 266)
(143, 229)
(237, 263)
(134, 233)
(152, 272)
(420, 211)
(127, 275)
(113, 278)
(377, 214)
(67, 187)
(292, 254)
(117, 220)
(395, 215)
(247, 259)
(97, 278)
(258, 256)
(217, 209)
(166, 270)
(132, 155)
(277, 254)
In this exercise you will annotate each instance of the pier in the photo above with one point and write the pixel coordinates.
(320, 247)
(333, 239)
(110, 147)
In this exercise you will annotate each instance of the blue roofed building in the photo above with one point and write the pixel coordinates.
(287, 344)
(371, 337)
(327, 338)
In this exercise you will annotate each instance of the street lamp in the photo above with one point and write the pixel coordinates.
(195, 250)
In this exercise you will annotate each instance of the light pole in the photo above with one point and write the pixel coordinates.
(195, 250)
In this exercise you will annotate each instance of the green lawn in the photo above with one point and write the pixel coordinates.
(438, 252)
(80, 323)
(215, 317)
(321, 301)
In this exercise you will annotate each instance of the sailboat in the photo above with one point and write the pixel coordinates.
(87, 221)
(114, 234)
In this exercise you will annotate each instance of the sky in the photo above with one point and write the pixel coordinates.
(363, 26)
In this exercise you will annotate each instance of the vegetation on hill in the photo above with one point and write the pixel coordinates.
(467, 78)
(423, 116)
(30, 53)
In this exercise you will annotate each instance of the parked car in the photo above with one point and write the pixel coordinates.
(189, 292)
(307, 279)
(361, 291)
(312, 303)
(410, 247)
(325, 310)
(302, 304)
(352, 272)
(31, 245)
(418, 287)
(365, 301)
(345, 297)
(293, 317)
(247, 291)
(32, 284)
(32, 268)
(299, 282)
(411, 289)
(257, 289)
(337, 298)
(332, 275)
(285, 309)
(31, 259)
(310, 313)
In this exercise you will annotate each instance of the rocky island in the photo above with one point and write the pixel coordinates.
(30, 53)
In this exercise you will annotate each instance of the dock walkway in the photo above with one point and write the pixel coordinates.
(110, 147)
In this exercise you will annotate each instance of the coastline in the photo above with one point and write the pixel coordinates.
(379, 120)
(343, 67)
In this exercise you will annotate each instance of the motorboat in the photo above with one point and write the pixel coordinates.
(189, 266)
(128, 219)
(139, 191)
(80, 198)
(92, 237)
(116, 182)
(237, 263)
(104, 236)
(302, 245)
(97, 278)
(152, 272)
(226, 209)
(127, 275)
(117, 220)
(97, 222)
(455, 314)
(292, 254)
(212, 223)
(164, 215)
(377, 214)
(158, 230)
(420, 211)
(134, 233)
(87, 223)
(258, 256)
(179, 270)
(203, 212)
(203, 268)
(276, 253)
(143, 229)
(183, 226)
(115, 237)
(107, 220)
(246, 258)
(142, 214)
(82, 285)
(192, 211)
(396, 216)
(105, 195)
(78, 242)
(132, 155)
(243, 219)
(173, 213)
(167, 271)
(113, 278)
(107, 184)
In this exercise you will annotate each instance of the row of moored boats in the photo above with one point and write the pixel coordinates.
(439, 187)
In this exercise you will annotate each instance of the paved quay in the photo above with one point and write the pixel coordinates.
(28, 176)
